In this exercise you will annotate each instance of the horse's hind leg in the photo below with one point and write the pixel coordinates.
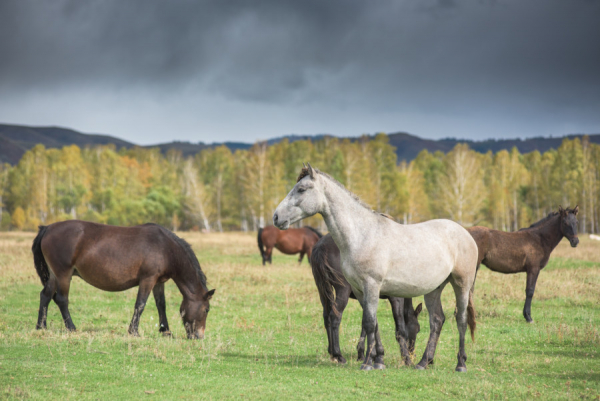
(532, 276)
(335, 319)
(61, 297)
(462, 300)
(401, 332)
(140, 304)
(301, 257)
(161, 305)
(433, 303)
(45, 297)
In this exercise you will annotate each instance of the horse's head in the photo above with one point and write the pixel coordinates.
(193, 312)
(412, 325)
(568, 224)
(304, 200)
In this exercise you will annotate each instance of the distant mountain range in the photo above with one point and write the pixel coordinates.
(15, 140)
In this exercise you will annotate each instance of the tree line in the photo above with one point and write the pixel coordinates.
(221, 190)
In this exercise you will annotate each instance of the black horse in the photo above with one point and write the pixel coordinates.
(327, 271)
(118, 258)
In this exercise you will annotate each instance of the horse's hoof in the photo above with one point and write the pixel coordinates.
(338, 359)
(419, 367)
(366, 367)
(461, 369)
(379, 366)
(166, 334)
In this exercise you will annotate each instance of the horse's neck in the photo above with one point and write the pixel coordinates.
(550, 233)
(189, 284)
(347, 220)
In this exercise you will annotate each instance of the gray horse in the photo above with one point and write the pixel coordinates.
(380, 256)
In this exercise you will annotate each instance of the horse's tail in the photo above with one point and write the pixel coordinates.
(38, 257)
(260, 244)
(315, 231)
(325, 276)
(471, 314)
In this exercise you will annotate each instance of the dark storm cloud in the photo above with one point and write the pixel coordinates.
(466, 59)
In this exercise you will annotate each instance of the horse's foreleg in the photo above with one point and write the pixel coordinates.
(301, 257)
(45, 297)
(161, 305)
(532, 276)
(462, 300)
(379, 349)
(140, 304)
(401, 332)
(335, 319)
(370, 301)
(61, 297)
(360, 347)
(433, 303)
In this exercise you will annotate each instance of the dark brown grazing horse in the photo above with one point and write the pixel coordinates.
(116, 259)
(327, 271)
(526, 250)
(290, 241)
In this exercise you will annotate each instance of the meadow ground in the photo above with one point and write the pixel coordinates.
(265, 336)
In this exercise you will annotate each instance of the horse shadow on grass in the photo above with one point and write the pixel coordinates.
(286, 360)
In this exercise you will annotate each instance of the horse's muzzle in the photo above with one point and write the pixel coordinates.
(279, 224)
(197, 335)
(574, 241)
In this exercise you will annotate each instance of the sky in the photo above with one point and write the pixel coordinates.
(152, 71)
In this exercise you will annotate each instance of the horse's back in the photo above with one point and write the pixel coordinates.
(111, 258)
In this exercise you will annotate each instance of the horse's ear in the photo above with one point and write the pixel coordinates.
(419, 309)
(561, 210)
(209, 295)
(311, 171)
(576, 210)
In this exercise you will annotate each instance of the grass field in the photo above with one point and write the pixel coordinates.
(265, 336)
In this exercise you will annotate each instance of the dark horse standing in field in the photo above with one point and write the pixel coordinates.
(526, 250)
(327, 271)
(289, 241)
(116, 259)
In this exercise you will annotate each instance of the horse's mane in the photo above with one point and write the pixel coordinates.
(188, 252)
(542, 221)
(304, 172)
(546, 219)
(315, 231)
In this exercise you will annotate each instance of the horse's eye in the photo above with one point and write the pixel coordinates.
(300, 190)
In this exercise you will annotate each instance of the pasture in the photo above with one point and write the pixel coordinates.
(265, 336)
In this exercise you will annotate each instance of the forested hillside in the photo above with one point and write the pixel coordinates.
(15, 140)
(218, 189)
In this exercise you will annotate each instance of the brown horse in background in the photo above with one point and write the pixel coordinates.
(116, 259)
(526, 250)
(290, 242)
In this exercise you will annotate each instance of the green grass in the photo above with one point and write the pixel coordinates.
(265, 337)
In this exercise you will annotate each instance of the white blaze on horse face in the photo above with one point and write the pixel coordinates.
(304, 200)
